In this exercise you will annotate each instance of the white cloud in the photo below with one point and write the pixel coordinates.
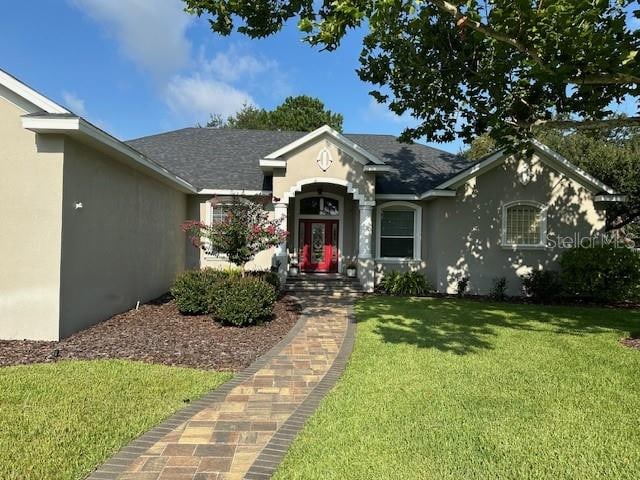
(234, 65)
(75, 103)
(151, 33)
(194, 98)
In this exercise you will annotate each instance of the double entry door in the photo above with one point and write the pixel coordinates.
(318, 245)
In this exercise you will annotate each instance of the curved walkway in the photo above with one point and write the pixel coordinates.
(243, 429)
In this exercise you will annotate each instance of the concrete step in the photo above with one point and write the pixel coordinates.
(324, 294)
(324, 288)
(324, 285)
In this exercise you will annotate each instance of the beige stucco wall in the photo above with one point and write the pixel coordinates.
(31, 171)
(301, 165)
(124, 245)
(466, 238)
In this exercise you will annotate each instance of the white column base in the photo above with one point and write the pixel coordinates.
(366, 274)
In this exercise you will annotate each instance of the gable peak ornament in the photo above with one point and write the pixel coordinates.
(524, 173)
(324, 159)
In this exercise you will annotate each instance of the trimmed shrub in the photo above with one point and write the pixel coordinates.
(191, 290)
(272, 278)
(543, 286)
(242, 301)
(601, 273)
(388, 282)
(499, 289)
(407, 284)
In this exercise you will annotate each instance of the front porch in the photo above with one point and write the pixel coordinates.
(330, 228)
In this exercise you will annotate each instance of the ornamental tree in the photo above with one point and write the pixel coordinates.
(463, 68)
(245, 231)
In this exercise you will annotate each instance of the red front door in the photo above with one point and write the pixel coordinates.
(318, 245)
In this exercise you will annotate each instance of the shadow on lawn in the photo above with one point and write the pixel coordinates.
(464, 327)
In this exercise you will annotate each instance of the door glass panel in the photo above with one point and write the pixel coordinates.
(317, 242)
(334, 242)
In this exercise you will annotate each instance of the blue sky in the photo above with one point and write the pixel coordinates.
(138, 67)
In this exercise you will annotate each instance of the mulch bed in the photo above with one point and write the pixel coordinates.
(158, 333)
(632, 341)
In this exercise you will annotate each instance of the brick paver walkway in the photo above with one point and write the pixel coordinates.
(243, 429)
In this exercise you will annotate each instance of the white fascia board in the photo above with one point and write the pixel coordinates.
(29, 94)
(436, 193)
(268, 164)
(396, 196)
(247, 193)
(378, 168)
(610, 198)
(338, 137)
(581, 175)
(488, 163)
(51, 124)
(408, 196)
(77, 126)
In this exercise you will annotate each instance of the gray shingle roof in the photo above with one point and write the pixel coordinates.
(228, 158)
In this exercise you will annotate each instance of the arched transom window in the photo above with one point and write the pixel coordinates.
(319, 205)
(524, 224)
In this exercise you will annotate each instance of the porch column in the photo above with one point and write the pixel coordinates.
(366, 267)
(365, 232)
(280, 214)
(281, 258)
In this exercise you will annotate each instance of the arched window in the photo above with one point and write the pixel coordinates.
(398, 231)
(524, 224)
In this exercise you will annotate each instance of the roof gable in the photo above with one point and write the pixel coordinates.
(547, 155)
(352, 148)
(226, 158)
(29, 95)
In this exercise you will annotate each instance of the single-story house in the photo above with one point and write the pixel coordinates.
(91, 224)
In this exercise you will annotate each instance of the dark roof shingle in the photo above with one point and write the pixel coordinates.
(228, 158)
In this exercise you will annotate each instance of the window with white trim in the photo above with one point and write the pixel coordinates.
(398, 231)
(524, 224)
(217, 214)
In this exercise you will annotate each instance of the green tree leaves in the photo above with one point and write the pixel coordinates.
(466, 68)
(301, 113)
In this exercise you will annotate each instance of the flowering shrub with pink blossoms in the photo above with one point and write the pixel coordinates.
(245, 231)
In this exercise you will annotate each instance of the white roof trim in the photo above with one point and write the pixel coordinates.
(610, 198)
(248, 193)
(498, 157)
(477, 169)
(378, 168)
(409, 196)
(581, 174)
(79, 126)
(270, 163)
(325, 130)
(29, 94)
(437, 193)
(396, 196)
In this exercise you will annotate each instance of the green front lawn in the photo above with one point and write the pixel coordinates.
(451, 389)
(59, 421)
